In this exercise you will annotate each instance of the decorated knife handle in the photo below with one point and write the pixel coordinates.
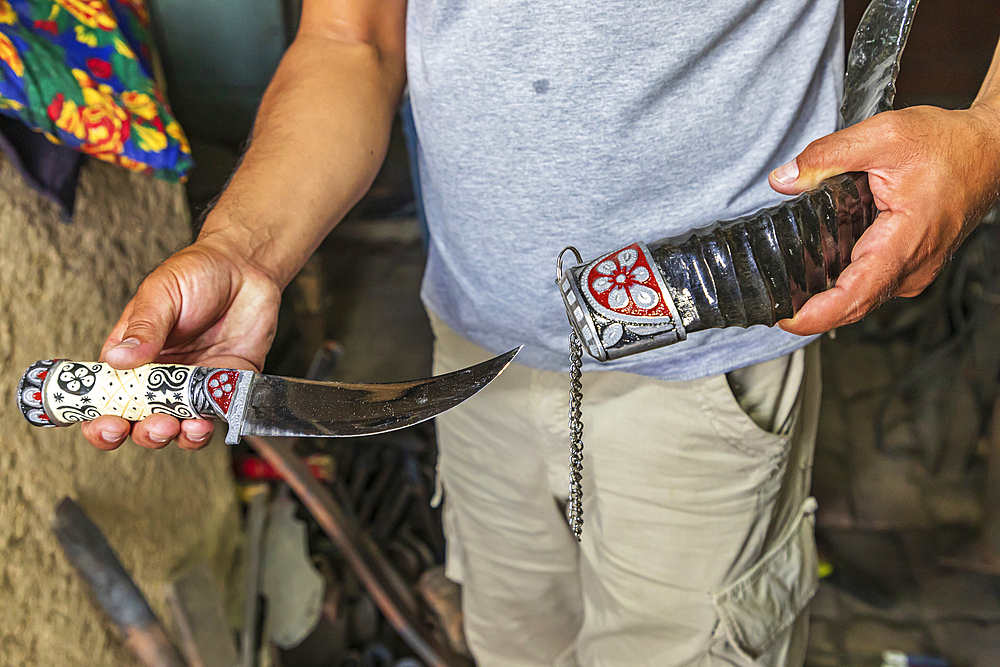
(753, 270)
(58, 392)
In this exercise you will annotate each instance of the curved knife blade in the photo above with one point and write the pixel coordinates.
(280, 406)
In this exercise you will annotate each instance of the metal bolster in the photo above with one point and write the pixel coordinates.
(238, 407)
(35, 410)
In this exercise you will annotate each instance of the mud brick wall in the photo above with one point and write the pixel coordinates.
(62, 287)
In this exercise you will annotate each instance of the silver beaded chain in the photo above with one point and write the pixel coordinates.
(574, 508)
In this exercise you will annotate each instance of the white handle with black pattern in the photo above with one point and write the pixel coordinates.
(58, 392)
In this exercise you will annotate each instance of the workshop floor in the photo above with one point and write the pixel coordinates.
(885, 524)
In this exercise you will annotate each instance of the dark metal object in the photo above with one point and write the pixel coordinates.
(754, 270)
(281, 407)
(873, 61)
(574, 508)
(200, 617)
(256, 518)
(93, 558)
(737, 273)
(392, 596)
(762, 269)
(387, 475)
(395, 505)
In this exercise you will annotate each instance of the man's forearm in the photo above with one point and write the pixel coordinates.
(319, 139)
(986, 108)
(989, 92)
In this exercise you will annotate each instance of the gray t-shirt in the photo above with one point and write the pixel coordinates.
(597, 123)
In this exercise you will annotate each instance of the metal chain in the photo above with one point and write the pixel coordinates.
(574, 508)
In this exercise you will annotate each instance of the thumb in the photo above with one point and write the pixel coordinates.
(850, 149)
(144, 326)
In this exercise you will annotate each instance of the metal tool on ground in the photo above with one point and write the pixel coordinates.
(444, 597)
(200, 616)
(256, 518)
(392, 596)
(88, 551)
(754, 270)
(59, 393)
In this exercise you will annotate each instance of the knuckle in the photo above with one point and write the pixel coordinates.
(140, 324)
(892, 127)
(816, 153)
(865, 305)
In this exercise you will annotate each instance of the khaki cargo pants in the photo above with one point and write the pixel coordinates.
(698, 545)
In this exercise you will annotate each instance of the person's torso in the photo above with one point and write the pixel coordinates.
(596, 124)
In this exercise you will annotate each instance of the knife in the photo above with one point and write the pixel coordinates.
(58, 392)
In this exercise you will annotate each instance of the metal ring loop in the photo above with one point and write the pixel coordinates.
(559, 261)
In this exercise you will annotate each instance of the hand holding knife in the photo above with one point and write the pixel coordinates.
(60, 392)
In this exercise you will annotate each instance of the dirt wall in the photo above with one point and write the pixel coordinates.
(62, 287)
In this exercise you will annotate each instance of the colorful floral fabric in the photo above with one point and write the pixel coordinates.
(80, 71)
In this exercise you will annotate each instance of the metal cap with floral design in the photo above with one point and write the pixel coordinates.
(29, 393)
(619, 304)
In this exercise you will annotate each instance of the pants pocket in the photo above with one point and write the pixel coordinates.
(763, 603)
(767, 392)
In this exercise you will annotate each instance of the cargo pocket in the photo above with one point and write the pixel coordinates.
(764, 602)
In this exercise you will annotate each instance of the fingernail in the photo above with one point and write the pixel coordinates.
(197, 437)
(159, 438)
(127, 344)
(786, 173)
(111, 436)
